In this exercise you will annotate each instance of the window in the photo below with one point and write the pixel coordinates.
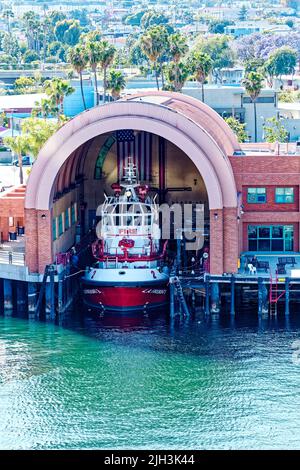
(67, 219)
(73, 213)
(54, 229)
(257, 195)
(60, 225)
(284, 195)
(270, 237)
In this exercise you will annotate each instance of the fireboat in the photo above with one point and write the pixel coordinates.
(130, 272)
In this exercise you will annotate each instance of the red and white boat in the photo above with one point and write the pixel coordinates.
(130, 273)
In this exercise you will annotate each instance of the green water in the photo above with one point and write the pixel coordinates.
(147, 384)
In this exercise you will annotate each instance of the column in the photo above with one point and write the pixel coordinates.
(216, 241)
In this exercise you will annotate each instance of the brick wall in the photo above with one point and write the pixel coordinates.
(216, 242)
(270, 172)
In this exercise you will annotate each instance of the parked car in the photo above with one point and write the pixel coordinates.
(27, 161)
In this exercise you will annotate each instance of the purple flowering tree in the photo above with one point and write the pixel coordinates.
(261, 45)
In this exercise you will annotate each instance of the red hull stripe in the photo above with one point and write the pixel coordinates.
(125, 297)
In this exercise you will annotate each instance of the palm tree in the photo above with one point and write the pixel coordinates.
(201, 65)
(107, 56)
(177, 74)
(57, 89)
(178, 46)
(154, 43)
(78, 58)
(94, 53)
(116, 83)
(19, 145)
(253, 84)
(44, 108)
(7, 14)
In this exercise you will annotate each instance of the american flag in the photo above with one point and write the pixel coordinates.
(137, 146)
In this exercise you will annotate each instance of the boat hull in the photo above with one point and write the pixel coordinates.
(125, 298)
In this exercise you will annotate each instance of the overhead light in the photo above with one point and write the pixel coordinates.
(43, 216)
(216, 216)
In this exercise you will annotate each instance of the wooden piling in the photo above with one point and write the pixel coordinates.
(260, 296)
(287, 296)
(8, 296)
(232, 295)
(172, 299)
(207, 296)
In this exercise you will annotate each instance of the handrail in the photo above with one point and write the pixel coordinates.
(12, 257)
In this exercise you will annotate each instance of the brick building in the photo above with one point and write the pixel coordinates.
(251, 198)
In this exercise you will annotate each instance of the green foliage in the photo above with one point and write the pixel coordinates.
(37, 131)
(68, 32)
(218, 26)
(154, 44)
(243, 13)
(56, 89)
(237, 127)
(20, 146)
(135, 19)
(177, 74)
(274, 131)
(30, 56)
(116, 83)
(178, 46)
(218, 49)
(253, 84)
(10, 45)
(25, 85)
(281, 62)
(254, 65)
(152, 18)
(287, 96)
(200, 65)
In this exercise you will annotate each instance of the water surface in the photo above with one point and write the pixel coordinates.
(145, 383)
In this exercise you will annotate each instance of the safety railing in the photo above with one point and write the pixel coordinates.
(12, 257)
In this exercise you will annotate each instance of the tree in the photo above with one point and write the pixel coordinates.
(177, 74)
(45, 108)
(19, 145)
(78, 58)
(10, 45)
(201, 66)
(7, 15)
(154, 43)
(281, 62)
(178, 46)
(72, 35)
(30, 56)
(116, 83)
(57, 89)
(107, 56)
(36, 132)
(218, 26)
(218, 49)
(24, 85)
(243, 13)
(135, 19)
(274, 131)
(253, 84)
(237, 127)
(287, 96)
(33, 30)
(94, 55)
(152, 18)
(91, 36)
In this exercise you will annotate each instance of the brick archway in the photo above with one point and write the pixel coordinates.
(189, 124)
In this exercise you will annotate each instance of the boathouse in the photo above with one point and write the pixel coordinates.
(185, 151)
